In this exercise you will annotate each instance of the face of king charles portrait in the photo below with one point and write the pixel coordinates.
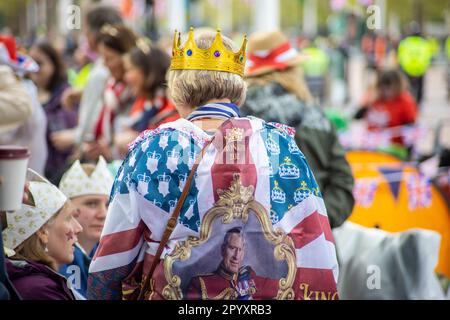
(233, 252)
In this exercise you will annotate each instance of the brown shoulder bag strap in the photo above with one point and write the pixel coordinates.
(171, 224)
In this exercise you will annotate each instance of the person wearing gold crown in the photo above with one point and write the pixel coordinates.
(88, 187)
(184, 185)
(38, 239)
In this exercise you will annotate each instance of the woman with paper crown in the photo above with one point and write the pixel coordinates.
(214, 206)
(38, 239)
(88, 187)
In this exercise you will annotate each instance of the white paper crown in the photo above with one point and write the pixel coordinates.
(23, 223)
(76, 181)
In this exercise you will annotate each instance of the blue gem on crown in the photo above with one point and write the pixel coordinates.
(288, 170)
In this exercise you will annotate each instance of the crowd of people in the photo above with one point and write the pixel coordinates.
(107, 142)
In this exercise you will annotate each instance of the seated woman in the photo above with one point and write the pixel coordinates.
(88, 187)
(115, 41)
(212, 205)
(39, 239)
(146, 69)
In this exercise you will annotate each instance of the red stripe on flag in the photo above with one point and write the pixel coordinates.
(315, 284)
(234, 158)
(310, 229)
(120, 241)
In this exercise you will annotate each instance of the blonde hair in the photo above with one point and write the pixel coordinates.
(290, 79)
(34, 250)
(193, 88)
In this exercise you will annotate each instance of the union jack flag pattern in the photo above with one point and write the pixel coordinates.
(419, 191)
(364, 192)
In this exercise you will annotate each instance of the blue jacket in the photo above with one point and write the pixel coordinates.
(80, 262)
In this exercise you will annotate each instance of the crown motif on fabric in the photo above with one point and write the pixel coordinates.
(215, 58)
(293, 148)
(153, 155)
(277, 194)
(164, 178)
(144, 178)
(76, 182)
(272, 145)
(302, 192)
(288, 170)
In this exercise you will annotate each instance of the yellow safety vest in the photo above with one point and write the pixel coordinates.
(316, 63)
(414, 55)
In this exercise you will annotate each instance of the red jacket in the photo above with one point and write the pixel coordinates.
(383, 114)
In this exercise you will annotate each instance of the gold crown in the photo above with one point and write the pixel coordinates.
(216, 58)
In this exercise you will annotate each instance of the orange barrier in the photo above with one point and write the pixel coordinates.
(389, 197)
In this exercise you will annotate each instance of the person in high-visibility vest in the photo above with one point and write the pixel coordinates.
(414, 57)
(315, 71)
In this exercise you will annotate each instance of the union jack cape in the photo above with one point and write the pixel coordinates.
(253, 177)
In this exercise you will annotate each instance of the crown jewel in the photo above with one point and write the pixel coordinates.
(216, 58)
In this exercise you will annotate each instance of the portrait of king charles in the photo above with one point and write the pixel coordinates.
(231, 280)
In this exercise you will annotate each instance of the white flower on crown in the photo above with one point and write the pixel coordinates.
(23, 223)
(76, 181)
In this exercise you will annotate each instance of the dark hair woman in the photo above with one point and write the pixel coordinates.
(51, 81)
(114, 42)
(146, 68)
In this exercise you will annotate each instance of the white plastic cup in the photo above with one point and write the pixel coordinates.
(13, 170)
